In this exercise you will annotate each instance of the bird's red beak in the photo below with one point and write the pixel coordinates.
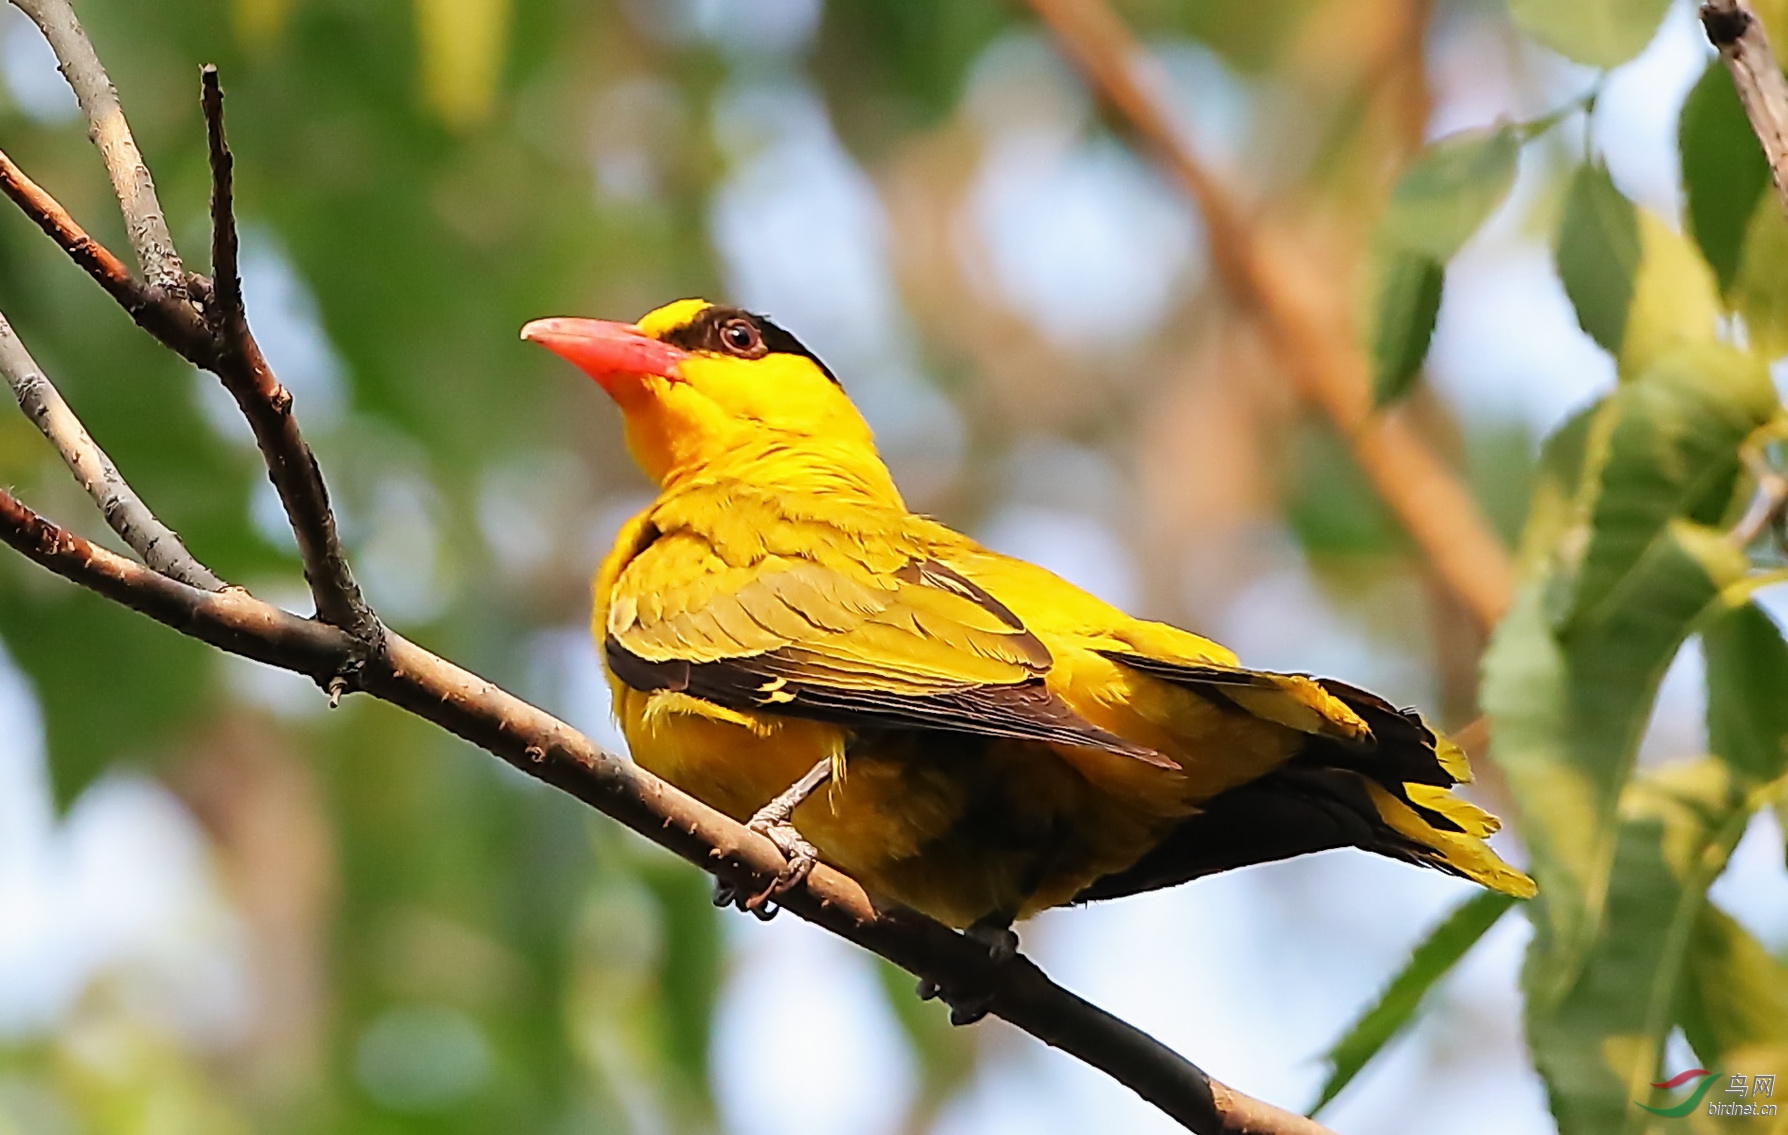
(610, 353)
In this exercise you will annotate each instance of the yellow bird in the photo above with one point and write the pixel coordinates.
(993, 740)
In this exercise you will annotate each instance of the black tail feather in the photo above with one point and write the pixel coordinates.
(1293, 811)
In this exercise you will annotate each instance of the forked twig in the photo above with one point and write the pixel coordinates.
(236, 359)
(174, 324)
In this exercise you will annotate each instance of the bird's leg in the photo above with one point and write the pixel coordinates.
(772, 822)
(968, 1006)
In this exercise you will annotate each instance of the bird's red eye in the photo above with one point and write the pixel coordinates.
(740, 336)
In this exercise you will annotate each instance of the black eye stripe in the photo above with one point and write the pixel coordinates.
(705, 333)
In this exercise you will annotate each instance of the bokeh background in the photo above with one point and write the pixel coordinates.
(225, 908)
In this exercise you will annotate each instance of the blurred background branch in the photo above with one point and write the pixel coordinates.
(1303, 319)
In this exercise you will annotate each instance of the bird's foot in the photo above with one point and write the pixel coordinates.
(772, 822)
(801, 856)
(969, 1005)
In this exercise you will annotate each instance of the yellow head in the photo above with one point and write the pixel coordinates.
(698, 382)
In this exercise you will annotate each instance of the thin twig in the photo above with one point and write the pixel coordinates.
(160, 548)
(237, 360)
(224, 310)
(545, 748)
(1769, 504)
(1738, 34)
(1308, 334)
(106, 125)
(174, 324)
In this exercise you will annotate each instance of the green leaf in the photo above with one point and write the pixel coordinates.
(1598, 254)
(1453, 186)
(1623, 560)
(1672, 452)
(1437, 204)
(1734, 1005)
(1723, 170)
(1600, 33)
(1568, 710)
(1598, 1040)
(1558, 490)
(1406, 300)
(1676, 301)
(1430, 961)
(1760, 292)
(1747, 712)
(1330, 507)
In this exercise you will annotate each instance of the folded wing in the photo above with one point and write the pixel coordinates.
(917, 648)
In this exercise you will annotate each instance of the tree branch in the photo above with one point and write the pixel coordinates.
(1309, 336)
(160, 548)
(546, 748)
(106, 125)
(1738, 34)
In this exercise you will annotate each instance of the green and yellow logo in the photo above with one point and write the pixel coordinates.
(1692, 1102)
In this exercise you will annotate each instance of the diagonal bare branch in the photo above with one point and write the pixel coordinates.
(1309, 336)
(545, 748)
(160, 548)
(106, 125)
(1734, 29)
